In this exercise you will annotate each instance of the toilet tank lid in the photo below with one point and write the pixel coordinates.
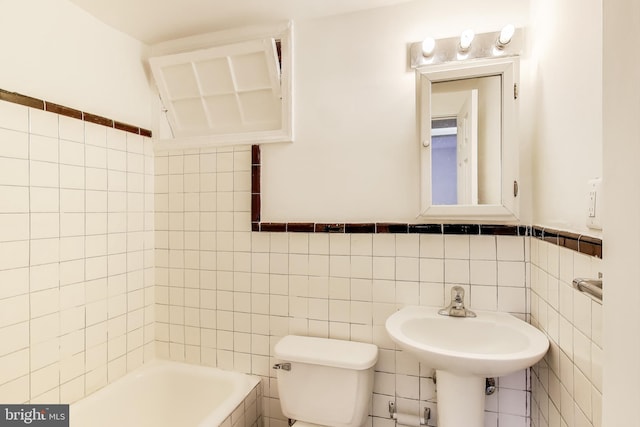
(327, 352)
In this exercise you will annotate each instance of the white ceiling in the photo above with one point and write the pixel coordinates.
(153, 21)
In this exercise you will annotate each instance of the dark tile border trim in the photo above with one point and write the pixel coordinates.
(39, 104)
(390, 228)
(62, 110)
(16, 98)
(580, 243)
(588, 245)
(255, 187)
(360, 228)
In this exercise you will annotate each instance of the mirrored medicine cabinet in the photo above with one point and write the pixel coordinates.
(468, 139)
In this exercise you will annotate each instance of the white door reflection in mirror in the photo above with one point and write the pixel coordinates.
(467, 153)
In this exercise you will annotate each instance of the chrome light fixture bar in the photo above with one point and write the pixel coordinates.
(507, 42)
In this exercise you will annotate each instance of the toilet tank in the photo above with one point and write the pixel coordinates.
(330, 382)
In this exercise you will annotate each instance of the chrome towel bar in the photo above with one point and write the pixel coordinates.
(593, 287)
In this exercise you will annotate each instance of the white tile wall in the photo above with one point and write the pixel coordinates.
(76, 255)
(567, 383)
(225, 295)
(82, 209)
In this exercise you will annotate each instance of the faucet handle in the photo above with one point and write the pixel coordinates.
(457, 294)
(456, 308)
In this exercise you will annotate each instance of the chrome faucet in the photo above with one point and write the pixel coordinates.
(456, 308)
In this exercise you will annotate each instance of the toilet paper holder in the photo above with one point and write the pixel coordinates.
(393, 414)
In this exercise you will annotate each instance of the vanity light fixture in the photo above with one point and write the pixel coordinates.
(428, 46)
(465, 40)
(467, 46)
(505, 36)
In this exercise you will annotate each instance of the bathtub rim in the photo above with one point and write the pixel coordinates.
(217, 415)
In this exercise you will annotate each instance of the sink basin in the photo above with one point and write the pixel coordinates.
(492, 344)
(464, 351)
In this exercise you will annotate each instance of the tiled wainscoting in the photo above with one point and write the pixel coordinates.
(567, 384)
(76, 253)
(226, 295)
(110, 255)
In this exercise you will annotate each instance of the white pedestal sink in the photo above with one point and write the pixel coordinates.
(464, 351)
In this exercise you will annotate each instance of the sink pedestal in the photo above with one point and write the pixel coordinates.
(460, 400)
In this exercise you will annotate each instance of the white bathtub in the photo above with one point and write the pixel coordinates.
(171, 394)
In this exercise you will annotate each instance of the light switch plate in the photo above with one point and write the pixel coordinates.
(594, 204)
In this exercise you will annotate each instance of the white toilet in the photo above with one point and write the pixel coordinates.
(325, 382)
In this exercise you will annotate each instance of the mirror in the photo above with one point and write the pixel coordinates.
(468, 133)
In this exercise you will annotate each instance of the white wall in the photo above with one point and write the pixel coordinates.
(55, 51)
(566, 65)
(622, 229)
(355, 156)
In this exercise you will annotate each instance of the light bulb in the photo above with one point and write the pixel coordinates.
(428, 45)
(465, 39)
(505, 35)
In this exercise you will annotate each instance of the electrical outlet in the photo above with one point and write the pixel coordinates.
(594, 204)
